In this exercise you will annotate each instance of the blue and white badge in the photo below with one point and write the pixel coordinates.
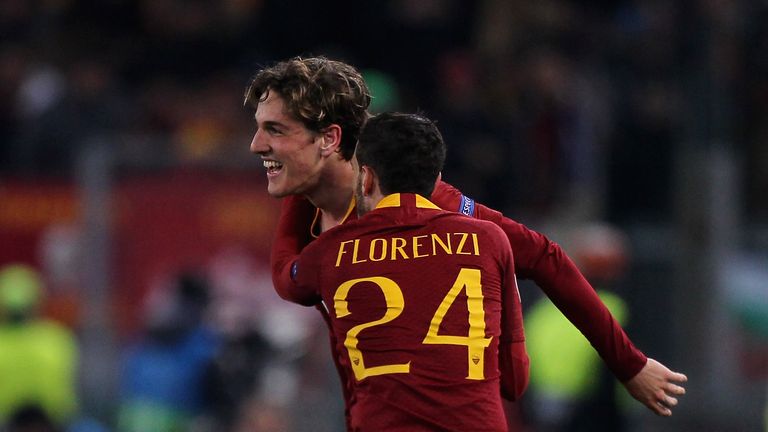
(467, 206)
(294, 270)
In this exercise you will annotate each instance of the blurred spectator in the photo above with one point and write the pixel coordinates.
(235, 377)
(61, 110)
(542, 95)
(164, 375)
(745, 296)
(272, 367)
(30, 419)
(262, 417)
(239, 301)
(38, 357)
(570, 389)
(60, 249)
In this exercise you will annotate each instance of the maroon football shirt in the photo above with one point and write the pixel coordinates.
(419, 301)
(536, 258)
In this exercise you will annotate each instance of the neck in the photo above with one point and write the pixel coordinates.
(334, 193)
(374, 198)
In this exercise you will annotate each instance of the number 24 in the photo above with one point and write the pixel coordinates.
(475, 340)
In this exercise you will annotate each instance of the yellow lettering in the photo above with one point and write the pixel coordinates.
(446, 246)
(419, 248)
(354, 253)
(341, 251)
(416, 246)
(372, 254)
(459, 249)
(398, 244)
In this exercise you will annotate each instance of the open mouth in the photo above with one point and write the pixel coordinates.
(273, 167)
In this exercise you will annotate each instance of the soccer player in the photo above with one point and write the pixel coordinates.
(308, 115)
(421, 300)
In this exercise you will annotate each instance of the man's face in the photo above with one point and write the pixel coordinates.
(290, 151)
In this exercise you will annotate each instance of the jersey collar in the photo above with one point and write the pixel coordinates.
(395, 200)
(315, 229)
(392, 200)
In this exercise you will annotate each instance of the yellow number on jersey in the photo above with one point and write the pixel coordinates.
(475, 341)
(393, 296)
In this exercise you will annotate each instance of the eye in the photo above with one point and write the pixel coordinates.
(273, 130)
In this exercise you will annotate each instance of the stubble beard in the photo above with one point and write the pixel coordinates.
(360, 204)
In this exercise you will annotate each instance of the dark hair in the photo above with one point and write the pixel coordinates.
(406, 151)
(318, 92)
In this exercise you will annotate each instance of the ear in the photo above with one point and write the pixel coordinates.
(368, 180)
(330, 140)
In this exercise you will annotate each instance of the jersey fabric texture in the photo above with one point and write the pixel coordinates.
(420, 300)
(536, 258)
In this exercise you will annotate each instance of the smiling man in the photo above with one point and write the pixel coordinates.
(309, 113)
(294, 152)
(306, 135)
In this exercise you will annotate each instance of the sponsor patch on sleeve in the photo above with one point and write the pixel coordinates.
(467, 206)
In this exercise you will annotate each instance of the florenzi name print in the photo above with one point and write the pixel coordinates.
(398, 248)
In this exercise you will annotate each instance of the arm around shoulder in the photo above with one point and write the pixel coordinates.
(545, 263)
(304, 286)
(291, 236)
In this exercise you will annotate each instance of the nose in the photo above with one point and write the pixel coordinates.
(259, 144)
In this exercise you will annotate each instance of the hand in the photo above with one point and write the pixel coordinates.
(655, 387)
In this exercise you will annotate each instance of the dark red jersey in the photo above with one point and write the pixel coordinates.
(536, 258)
(420, 301)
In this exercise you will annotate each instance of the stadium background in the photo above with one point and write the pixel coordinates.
(124, 160)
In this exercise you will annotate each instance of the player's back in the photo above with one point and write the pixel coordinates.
(415, 298)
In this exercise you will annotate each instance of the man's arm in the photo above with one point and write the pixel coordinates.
(291, 236)
(514, 367)
(305, 272)
(541, 260)
(513, 358)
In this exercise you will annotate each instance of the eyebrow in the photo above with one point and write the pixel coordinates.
(272, 123)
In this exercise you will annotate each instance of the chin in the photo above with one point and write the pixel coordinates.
(277, 192)
(280, 191)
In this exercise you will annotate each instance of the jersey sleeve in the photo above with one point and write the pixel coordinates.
(291, 236)
(305, 278)
(543, 261)
(513, 358)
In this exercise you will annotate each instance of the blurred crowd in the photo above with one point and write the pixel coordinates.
(547, 107)
(551, 110)
(198, 364)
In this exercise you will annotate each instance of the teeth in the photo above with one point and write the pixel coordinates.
(268, 164)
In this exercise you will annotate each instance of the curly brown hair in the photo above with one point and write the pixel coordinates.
(318, 92)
